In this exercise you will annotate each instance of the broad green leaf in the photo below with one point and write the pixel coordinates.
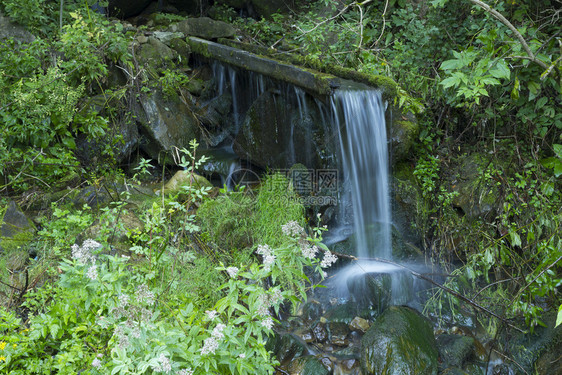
(559, 317)
(501, 70)
(451, 81)
(541, 102)
(450, 64)
(515, 239)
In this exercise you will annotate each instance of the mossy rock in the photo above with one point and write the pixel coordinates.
(204, 27)
(181, 179)
(400, 342)
(477, 196)
(307, 365)
(404, 130)
(16, 230)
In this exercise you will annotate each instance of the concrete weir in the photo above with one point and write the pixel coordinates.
(312, 81)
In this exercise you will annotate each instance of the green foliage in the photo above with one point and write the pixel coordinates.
(171, 81)
(41, 97)
(162, 308)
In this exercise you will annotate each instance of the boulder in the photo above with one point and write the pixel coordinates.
(156, 55)
(308, 365)
(11, 30)
(454, 350)
(121, 137)
(400, 342)
(184, 178)
(286, 347)
(371, 291)
(165, 124)
(206, 28)
(16, 230)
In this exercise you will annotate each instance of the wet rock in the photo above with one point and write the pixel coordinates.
(454, 350)
(286, 347)
(16, 230)
(348, 365)
(305, 335)
(11, 30)
(341, 313)
(308, 365)
(320, 332)
(166, 37)
(337, 333)
(311, 311)
(155, 55)
(400, 341)
(275, 134)
(165, 123)
(359, 324)
(204, 27)
(371, 290)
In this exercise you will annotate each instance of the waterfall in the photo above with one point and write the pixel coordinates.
(361, 128)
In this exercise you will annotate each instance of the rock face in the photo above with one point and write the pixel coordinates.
(9, 29)
(260, 8)
(165, 123)
(206, 28)
(127, 8)
(400, 342)
(477, 196)
(88, 151)
(276, 134)
(15, 228)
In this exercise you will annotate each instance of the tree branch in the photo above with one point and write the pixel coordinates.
(510, 26)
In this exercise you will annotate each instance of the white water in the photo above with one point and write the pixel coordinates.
(365, 200)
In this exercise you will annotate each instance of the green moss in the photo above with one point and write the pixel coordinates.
(323, 71)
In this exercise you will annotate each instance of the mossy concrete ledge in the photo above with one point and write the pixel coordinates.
(316, 82)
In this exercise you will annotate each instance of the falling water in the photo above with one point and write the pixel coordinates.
(362, 136)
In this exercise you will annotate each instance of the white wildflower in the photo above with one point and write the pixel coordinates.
(185, 372)
(268, 257)
(276, 297)
(292, 229)
(96, 363)
(232, 271)
(211, 314)
(267, 322)
(144, 295)
(123, 300)
(309, 251)
(217, 331)
(328, 259)
(209, 346)
(92, 273)
(263, 305)
(268, 261)
(242, 355)
(164, 366)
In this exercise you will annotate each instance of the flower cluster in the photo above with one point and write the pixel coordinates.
(83, 254)
(164, 366)
(212, 343)
(135, 313)
(232, 271)
(268, 257)
(328, 259)
(292, 229)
